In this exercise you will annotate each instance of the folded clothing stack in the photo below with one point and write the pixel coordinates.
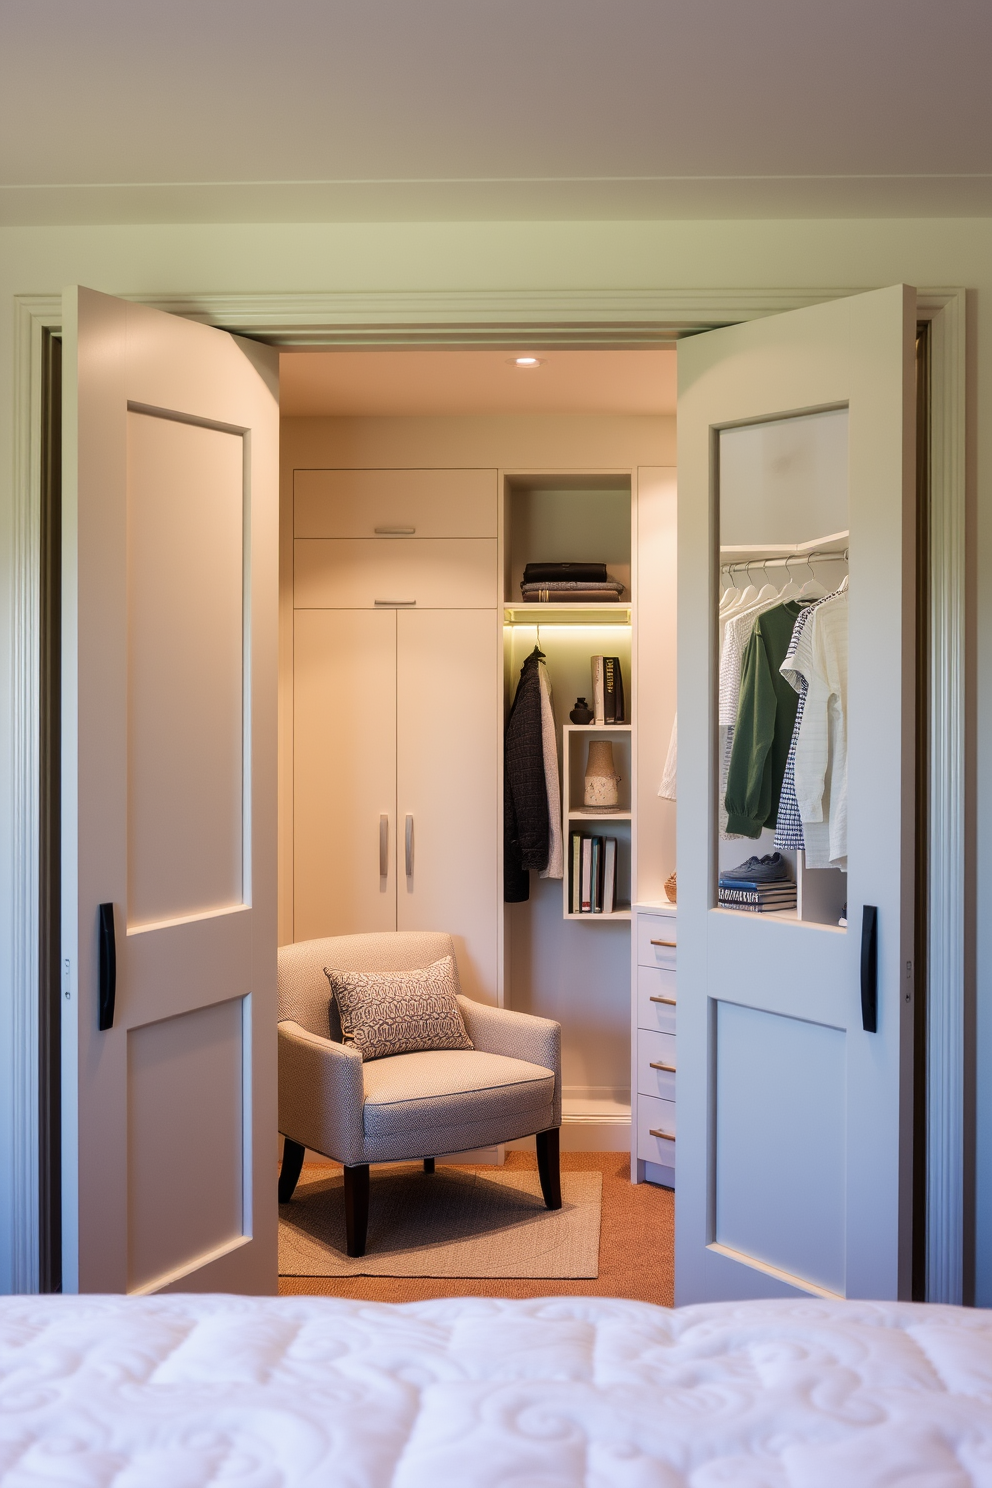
(761, 885)
(569, 583)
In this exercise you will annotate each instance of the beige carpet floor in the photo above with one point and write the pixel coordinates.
(457, 1222)
(636, 1252)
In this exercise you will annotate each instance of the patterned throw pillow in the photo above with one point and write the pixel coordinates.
(399, 1012)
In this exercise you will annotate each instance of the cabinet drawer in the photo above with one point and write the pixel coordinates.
(655, 940)
(654, 1116)
(434, 573)
(656, 999)
(653, 1051)
(434, 503)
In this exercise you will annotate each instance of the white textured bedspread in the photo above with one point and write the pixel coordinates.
(183, 1391)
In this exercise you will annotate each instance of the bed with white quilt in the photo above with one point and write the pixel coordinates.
(310, 1392)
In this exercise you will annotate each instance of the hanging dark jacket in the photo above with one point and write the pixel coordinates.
(526, 829)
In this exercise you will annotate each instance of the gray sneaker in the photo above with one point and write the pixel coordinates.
(772, 868)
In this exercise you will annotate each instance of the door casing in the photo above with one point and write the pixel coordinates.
(548, 319)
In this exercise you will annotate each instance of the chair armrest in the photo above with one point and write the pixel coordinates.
(321, 1094)
(517, 1035)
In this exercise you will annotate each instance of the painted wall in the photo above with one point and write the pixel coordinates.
(848, 255)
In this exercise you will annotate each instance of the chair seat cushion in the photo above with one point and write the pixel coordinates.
(451, 1087)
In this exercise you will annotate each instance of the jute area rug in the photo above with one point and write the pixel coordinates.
(482, 1222)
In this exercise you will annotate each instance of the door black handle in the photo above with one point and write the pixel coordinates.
(869, 968)
(108, 968)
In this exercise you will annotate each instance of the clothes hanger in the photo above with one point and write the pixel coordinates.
(812, 589)
(790, 589)
(768, 590)
(750, 593)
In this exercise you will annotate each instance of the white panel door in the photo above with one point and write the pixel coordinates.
(168, 797)
(794, 1118)
(447, 730)
(344, 772)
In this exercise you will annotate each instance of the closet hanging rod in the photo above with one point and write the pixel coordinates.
(797, 559)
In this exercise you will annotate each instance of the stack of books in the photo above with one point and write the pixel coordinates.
(760, 898)
(593, 876)
(569, 583)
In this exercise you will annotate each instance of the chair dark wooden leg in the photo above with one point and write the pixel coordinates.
(289, 1176)
(428, 1165)
(549, 1167)
(356, 1207)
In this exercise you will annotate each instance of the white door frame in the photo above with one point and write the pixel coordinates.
(571, 319)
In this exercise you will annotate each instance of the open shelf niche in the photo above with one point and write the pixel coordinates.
(575, 517)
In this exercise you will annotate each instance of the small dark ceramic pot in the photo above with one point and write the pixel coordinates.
(581, 713)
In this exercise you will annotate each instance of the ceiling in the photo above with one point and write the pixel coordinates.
(396, 383)
(249, 110)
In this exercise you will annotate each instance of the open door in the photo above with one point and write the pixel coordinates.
(170, 541)
(795, 1021)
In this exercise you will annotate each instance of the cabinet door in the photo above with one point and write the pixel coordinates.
(447, 730)
(353, 573)
(344, 772)
(380, 503)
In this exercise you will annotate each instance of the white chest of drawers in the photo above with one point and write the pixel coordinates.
(653, 1044)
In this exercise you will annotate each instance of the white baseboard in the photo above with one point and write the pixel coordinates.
(589, 1125)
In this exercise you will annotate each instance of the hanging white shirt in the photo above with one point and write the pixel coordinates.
(549, 740)
(669, 776)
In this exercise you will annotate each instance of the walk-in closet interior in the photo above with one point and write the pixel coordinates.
(426, 498)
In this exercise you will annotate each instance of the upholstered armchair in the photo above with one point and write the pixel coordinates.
(406, 1106)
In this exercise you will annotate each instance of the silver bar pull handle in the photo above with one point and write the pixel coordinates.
(395, 531)
(383, 846)
(409, 846)
(394, 604)
(668, 1136)
(669, 1067)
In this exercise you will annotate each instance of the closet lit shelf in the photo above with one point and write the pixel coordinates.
(600, 816)
(565, 614)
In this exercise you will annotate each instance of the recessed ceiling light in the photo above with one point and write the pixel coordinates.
(526, 361)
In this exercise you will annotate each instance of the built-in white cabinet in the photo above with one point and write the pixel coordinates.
(344, 772)
(653, 1047)
(397, 714)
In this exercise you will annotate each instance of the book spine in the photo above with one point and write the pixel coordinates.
(610, 665)
(598, 698)
(597, 875)
(585, 906)
(737, 896)
(576, 873)
(621, 716)
(609, 875)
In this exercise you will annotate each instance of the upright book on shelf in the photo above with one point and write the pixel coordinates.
(585, 904)
(575, 899)
(598, 690)
(613, 711)
(597, 875)
(609, 874)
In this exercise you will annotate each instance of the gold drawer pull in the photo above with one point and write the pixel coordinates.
(668, 944)
(669, 1067)
(668, 1001)
(668, 1136)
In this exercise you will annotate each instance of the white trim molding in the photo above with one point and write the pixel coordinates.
(33, 314)
(547, 318)
(946, 910)
(574, 319)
